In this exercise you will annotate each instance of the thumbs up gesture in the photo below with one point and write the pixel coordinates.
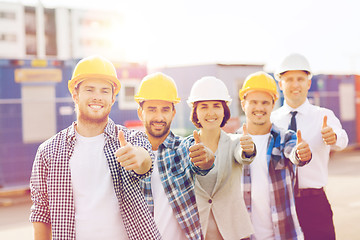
(201, 155)
(303, 151)
(132, 157)
(246, 143)
(327, 133)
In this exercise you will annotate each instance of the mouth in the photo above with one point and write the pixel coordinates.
(259, 114)
(95, 106)
(210, 120)
(158, 125)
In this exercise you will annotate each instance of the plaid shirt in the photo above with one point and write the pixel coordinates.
(177, 176)
(51, 188)
(281, 159)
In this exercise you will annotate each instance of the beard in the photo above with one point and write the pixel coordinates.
(89, 118)
(157, 134)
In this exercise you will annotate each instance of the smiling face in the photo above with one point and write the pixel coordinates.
(94, 99)
(258, 106)
(157, 116)
(295, 86)
(210, 114)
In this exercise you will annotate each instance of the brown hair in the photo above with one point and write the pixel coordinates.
(194, 118)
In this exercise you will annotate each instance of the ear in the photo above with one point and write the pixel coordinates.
(309, 84)
(139, 113)
(75, 96)
(273, 105)
(113, 100)
(174, 112)
(243, 105)
(280, 84)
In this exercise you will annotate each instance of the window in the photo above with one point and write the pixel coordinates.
(126, 96)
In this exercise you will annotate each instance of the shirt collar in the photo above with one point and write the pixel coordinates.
(302, 109)
(169, 141)
(109, 130)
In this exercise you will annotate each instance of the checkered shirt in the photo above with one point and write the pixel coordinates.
(177, 174)
(281, 158)
(51, 188)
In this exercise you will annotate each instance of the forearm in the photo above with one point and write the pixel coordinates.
(146, 164)
(242, 157)
(42, 231)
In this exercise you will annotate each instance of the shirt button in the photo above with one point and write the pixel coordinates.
(210, 201)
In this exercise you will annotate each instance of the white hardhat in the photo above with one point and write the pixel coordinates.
(207, 89)
(293, 62)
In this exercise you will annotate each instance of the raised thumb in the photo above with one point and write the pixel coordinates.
(196, 137)
(245, 131)
(324, 125)
(298, 135)
(122, 138)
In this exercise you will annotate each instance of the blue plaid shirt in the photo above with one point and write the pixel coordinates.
(51, 188)
(282, 162)
(177, 174)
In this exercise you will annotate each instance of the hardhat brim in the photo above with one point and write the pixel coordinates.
(191, 102)
(140, 99)
(78, 79)
(244, 93)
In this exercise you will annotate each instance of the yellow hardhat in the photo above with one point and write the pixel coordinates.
(157, 86)
(94, 67)
(259, 81)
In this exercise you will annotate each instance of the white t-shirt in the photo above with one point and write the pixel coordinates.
(164, 216)
(260, 192)
(97, 211)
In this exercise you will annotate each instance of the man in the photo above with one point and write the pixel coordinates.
(79, 188)
(170, 190)
(268, 180)
(323, 131)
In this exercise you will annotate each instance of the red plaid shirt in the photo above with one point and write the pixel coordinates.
(51, 188)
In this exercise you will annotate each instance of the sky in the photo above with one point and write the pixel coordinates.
(186, 32)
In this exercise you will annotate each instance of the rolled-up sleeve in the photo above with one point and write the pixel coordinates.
(38, 187)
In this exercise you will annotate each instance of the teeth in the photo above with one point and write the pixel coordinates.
(95, 106)
(211, 120)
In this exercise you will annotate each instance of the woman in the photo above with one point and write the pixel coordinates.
(223, 214)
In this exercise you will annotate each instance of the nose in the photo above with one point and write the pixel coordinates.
(159, 116)
(296, 83)
(97, 96)
(259, 106)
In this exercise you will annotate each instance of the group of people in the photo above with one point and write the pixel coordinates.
(100, 180)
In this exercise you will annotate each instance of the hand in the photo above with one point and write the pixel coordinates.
(246, 143)
(201, 155)
(132, 157)
(327, 133)
(303, 151)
